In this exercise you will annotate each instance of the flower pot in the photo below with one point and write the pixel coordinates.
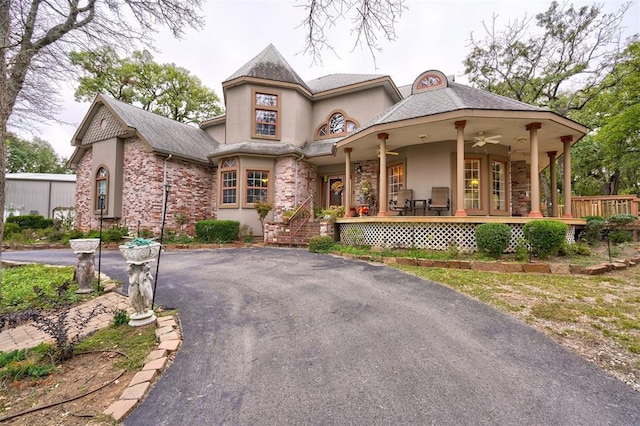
(84, 245)
(139, 254)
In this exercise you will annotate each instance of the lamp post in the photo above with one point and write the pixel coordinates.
(164, 215)
(101, 201)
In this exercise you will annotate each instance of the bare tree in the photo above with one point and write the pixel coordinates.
(37, 35)
(369, 19)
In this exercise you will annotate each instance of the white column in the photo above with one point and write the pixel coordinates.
(383, 198)
(566, 156)
(535, 176)
(347, 184)
(460, 211)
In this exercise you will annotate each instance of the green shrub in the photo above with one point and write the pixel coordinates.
(217, 231)
(112, 235)
(545, 236)
(493, 238)
(75, 233)
(593, 231)
(616, 223)
(522, 250)
(32, 221)
(321, 244)
(11, 228)
(619, 236)
(93, 233)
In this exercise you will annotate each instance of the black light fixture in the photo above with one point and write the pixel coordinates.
(358, 167)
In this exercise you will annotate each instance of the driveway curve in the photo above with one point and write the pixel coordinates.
(282, 336)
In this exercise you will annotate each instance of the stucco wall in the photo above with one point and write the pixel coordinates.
(361, 106)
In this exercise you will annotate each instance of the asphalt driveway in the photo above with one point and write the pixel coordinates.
(283, 336)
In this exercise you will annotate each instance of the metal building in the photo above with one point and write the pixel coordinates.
(40, 193)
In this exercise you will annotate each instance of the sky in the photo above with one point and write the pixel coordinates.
(429, 35)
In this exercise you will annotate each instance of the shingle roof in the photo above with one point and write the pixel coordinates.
(164, 134)
(454, 97)
(270, 65)
(334, 81)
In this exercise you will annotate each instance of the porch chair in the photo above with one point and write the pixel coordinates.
(439, 200)
(402, 203)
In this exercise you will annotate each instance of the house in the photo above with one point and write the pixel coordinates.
(320, 142)
(47, 194)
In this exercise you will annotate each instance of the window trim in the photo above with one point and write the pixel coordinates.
(234, 168)
(96, 180)
(255, 107)
(246, 189)
(347, 118)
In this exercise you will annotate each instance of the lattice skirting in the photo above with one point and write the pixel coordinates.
(434, 236)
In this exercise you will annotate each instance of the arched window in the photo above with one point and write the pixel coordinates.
(102, 186)
(336, 125)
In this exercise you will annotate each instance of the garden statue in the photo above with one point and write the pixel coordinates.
(85, 270)
(139, 253)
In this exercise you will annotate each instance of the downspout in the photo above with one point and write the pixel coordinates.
(296, 184)
(164, 183)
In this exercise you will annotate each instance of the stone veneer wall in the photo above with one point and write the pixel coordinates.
(520, 177)
(285, 184)
(84, 218)
(369, 173)
(191, 195)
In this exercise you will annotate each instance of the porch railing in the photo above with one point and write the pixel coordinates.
(604, 206)
(301, 215)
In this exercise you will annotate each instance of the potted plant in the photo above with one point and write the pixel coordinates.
(140, 250)
(286, 216)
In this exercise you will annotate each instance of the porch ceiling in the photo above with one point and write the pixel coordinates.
(424, 130)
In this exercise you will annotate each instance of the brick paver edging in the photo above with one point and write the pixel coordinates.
(168, 334)
(477, 265)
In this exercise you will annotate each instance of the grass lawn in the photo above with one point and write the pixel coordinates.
(597, 317)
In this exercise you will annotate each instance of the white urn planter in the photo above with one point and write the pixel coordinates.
(84, 245)
(139, 254)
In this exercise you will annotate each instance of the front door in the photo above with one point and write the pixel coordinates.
(334, 191)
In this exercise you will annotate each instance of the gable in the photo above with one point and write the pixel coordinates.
(103, 126)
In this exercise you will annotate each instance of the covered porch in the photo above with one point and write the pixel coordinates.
(486, 151)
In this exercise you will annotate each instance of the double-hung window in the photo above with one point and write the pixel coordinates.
(229, 182)
(266, 115)
(257, 185)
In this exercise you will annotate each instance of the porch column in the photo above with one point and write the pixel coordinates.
(535, 176)
(347, 184)
(554, 183)
(460, 211)
(384, 202)
(566, 188)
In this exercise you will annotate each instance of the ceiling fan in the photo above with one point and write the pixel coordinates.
(389, 153)
(482, 139)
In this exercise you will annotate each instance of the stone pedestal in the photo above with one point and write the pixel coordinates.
(85, 272)
(140, 293)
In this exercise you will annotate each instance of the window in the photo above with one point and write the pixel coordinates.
(229, 181)
(472, 184)
(395, 178)
(257, 185)
(498, 182)
(102, 186)
(337, 124)
(266, 110)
